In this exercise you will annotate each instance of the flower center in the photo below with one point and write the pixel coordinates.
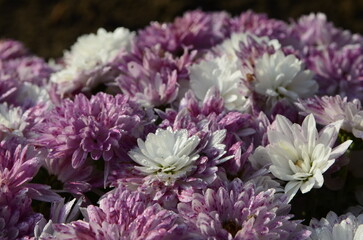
(232, 227)
(299, 163)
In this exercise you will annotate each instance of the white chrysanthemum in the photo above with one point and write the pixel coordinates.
(345, 227)
(232, 45)
(12, 119)
(93, 50)
(223, 74)
(299, 154)
(280, 76)
(167, 154)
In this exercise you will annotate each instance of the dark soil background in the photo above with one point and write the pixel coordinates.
(47, 27)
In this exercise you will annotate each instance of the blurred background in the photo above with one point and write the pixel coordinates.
(47, 27)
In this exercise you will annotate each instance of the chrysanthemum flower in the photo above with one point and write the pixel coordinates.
(86, 64)
(279, 76)
(151, 77)
(300, 155)
(18, 166)
(329, 109)
(333, 227)
(260, 25)
(339, 71)
(200, 30)
(240, 211)
(315, 30)
(12, 120)
(95, 127)
(167, 154)
(171, 164)
(222, 73)
(123, 214)
(162, 34)
(28, 69)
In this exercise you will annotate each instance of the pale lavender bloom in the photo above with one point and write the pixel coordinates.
(241, 211)
(334, 227)
(260, 25)
(329, 109)
(10, 49)
(17, 219)
(151, 77)
(339, 71)
(103, 126)
(123, 214)
(23, 81)
(314, 30)
(29, 69)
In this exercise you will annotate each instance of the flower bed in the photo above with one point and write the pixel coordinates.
(208, 127)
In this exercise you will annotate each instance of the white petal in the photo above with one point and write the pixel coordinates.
(309, 130)
(329, 133)
(291, 189)
(260, 158)
(307, 185)
(340, 150)
(319, 179)
(359, 233)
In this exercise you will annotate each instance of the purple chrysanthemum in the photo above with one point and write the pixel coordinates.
(195, 30)
(328, 109)
(29, 69)
(123, 214)
(18, 166)
(314, 30)
(200, 30)
(241, 211)
(339, 71)
(17, 219)
(23, 81)
(103, 126)
(151, 77)
(260, 25)
(159, 34)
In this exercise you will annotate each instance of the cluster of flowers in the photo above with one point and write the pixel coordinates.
(208, 127)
